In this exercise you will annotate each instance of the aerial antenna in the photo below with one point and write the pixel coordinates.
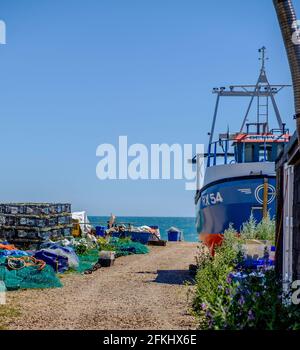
(263, 58)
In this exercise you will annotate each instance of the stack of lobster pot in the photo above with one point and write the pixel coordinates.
(21, 222)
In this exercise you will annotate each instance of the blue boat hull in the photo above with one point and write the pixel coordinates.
(231, 202)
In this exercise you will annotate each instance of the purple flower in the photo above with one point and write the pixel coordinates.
(251, 315)
(203, 306)
(241, 300)
(227, 291)
(229, 279)
(208, 314)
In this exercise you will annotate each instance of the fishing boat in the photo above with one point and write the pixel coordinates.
(240, 179)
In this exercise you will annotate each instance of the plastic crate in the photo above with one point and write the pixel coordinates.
(100, 231)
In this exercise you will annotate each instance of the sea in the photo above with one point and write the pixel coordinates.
(186, 225)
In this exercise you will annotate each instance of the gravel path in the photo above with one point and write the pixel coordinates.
(138, 292)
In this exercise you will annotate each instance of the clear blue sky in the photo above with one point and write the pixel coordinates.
(75, 74)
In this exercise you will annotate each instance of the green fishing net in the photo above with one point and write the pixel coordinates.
(120, 246)
(88, 260)
(127, 247)
(29, 277)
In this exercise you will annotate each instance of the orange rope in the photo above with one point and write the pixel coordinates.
(27, 261)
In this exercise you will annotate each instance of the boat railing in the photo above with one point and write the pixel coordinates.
(219, 149)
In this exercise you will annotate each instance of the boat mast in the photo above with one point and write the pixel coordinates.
(263, 90)
(263, 59)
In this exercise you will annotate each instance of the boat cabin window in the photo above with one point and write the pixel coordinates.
(257, 152)
(265, 153)
(249, 152)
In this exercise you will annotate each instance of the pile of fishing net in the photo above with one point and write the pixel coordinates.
(27, 273)
(124, 247)
(19, 270)
(77, 255)
(87, 260)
